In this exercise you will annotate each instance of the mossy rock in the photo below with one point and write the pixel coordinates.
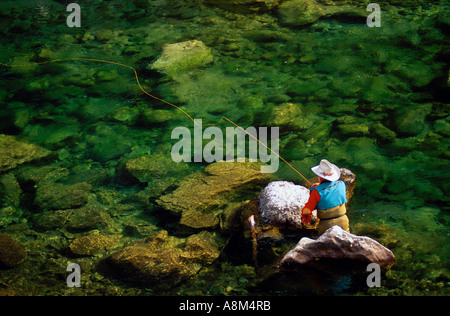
(180, 57)
(11, 253)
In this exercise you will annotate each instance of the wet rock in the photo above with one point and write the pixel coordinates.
(183, 56)
(382, 131)
(164, 261)
(281, 203)
(304, 12)
(245, 5)
(349, 179)
(11, 253)
(9, 215)
(14, 153)
(158, 116)
(198, 220)
(87, 218)
(410, 120)
(299, 12)
(338, 244)
(82, 219)
(289, 116)
(352, 125)
(209, 191)
(419, 74)
(125, 115)
(231, 216)
(10, 190)
(31, 175)
(442, 126)
(14, 117)
(150, 167)
(51, 196)
(92, 244)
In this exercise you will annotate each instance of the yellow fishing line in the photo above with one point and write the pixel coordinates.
(159, 99)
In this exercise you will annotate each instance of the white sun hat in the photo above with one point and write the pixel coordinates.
(327, 170)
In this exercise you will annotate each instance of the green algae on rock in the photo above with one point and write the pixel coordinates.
(152, 167)
(92, 244)
(14, 153)
(202, 196)
(214, 187)
(360, 92)
(59, 196)
(164, 261)
(11, 253)
(183, 56)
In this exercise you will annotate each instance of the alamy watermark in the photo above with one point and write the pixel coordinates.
(74, 278)
(374, 19)
(226, 147)
(374, 278)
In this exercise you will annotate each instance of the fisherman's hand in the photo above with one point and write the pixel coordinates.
(315, 185)
(306, 216)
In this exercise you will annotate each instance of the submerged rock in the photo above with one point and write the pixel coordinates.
(14, 153)
(92, 244)
(11, 253)
(164, 260)
(245, 5)
(149, 167)
(338, 244)
(212, 190)
(82, 219)
(183, 56)
(289, 116)
(60, 197)
(411, 120)
(304, 12)
(10, 190)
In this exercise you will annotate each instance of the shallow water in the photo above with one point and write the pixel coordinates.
(373, 100)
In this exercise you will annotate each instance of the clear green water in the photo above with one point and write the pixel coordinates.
(375, 101)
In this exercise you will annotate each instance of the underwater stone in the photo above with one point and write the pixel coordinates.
(411, 119)
(304, 12)
(92, 244)
(14, 153)
(10, 215)
(10, 190)
(164, 261)
(60, 197)
(11, 253)
(150, 167)
(215, 187)
(183, 56)
(442, 126)
(299, 12)
(245, 5)
(338, 244)
(289, 116)
(382, 131)
(87, 218)
(198, 220)
(125, 115)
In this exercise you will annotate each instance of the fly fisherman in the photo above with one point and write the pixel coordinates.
(328, 197)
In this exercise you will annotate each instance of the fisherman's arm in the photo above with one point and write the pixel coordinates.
(314, 198)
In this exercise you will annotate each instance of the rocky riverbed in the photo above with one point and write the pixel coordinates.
(86, 174)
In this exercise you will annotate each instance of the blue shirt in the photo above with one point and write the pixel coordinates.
(331, 194)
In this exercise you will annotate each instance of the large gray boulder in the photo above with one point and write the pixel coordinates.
(338, 244)
(281, 203)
